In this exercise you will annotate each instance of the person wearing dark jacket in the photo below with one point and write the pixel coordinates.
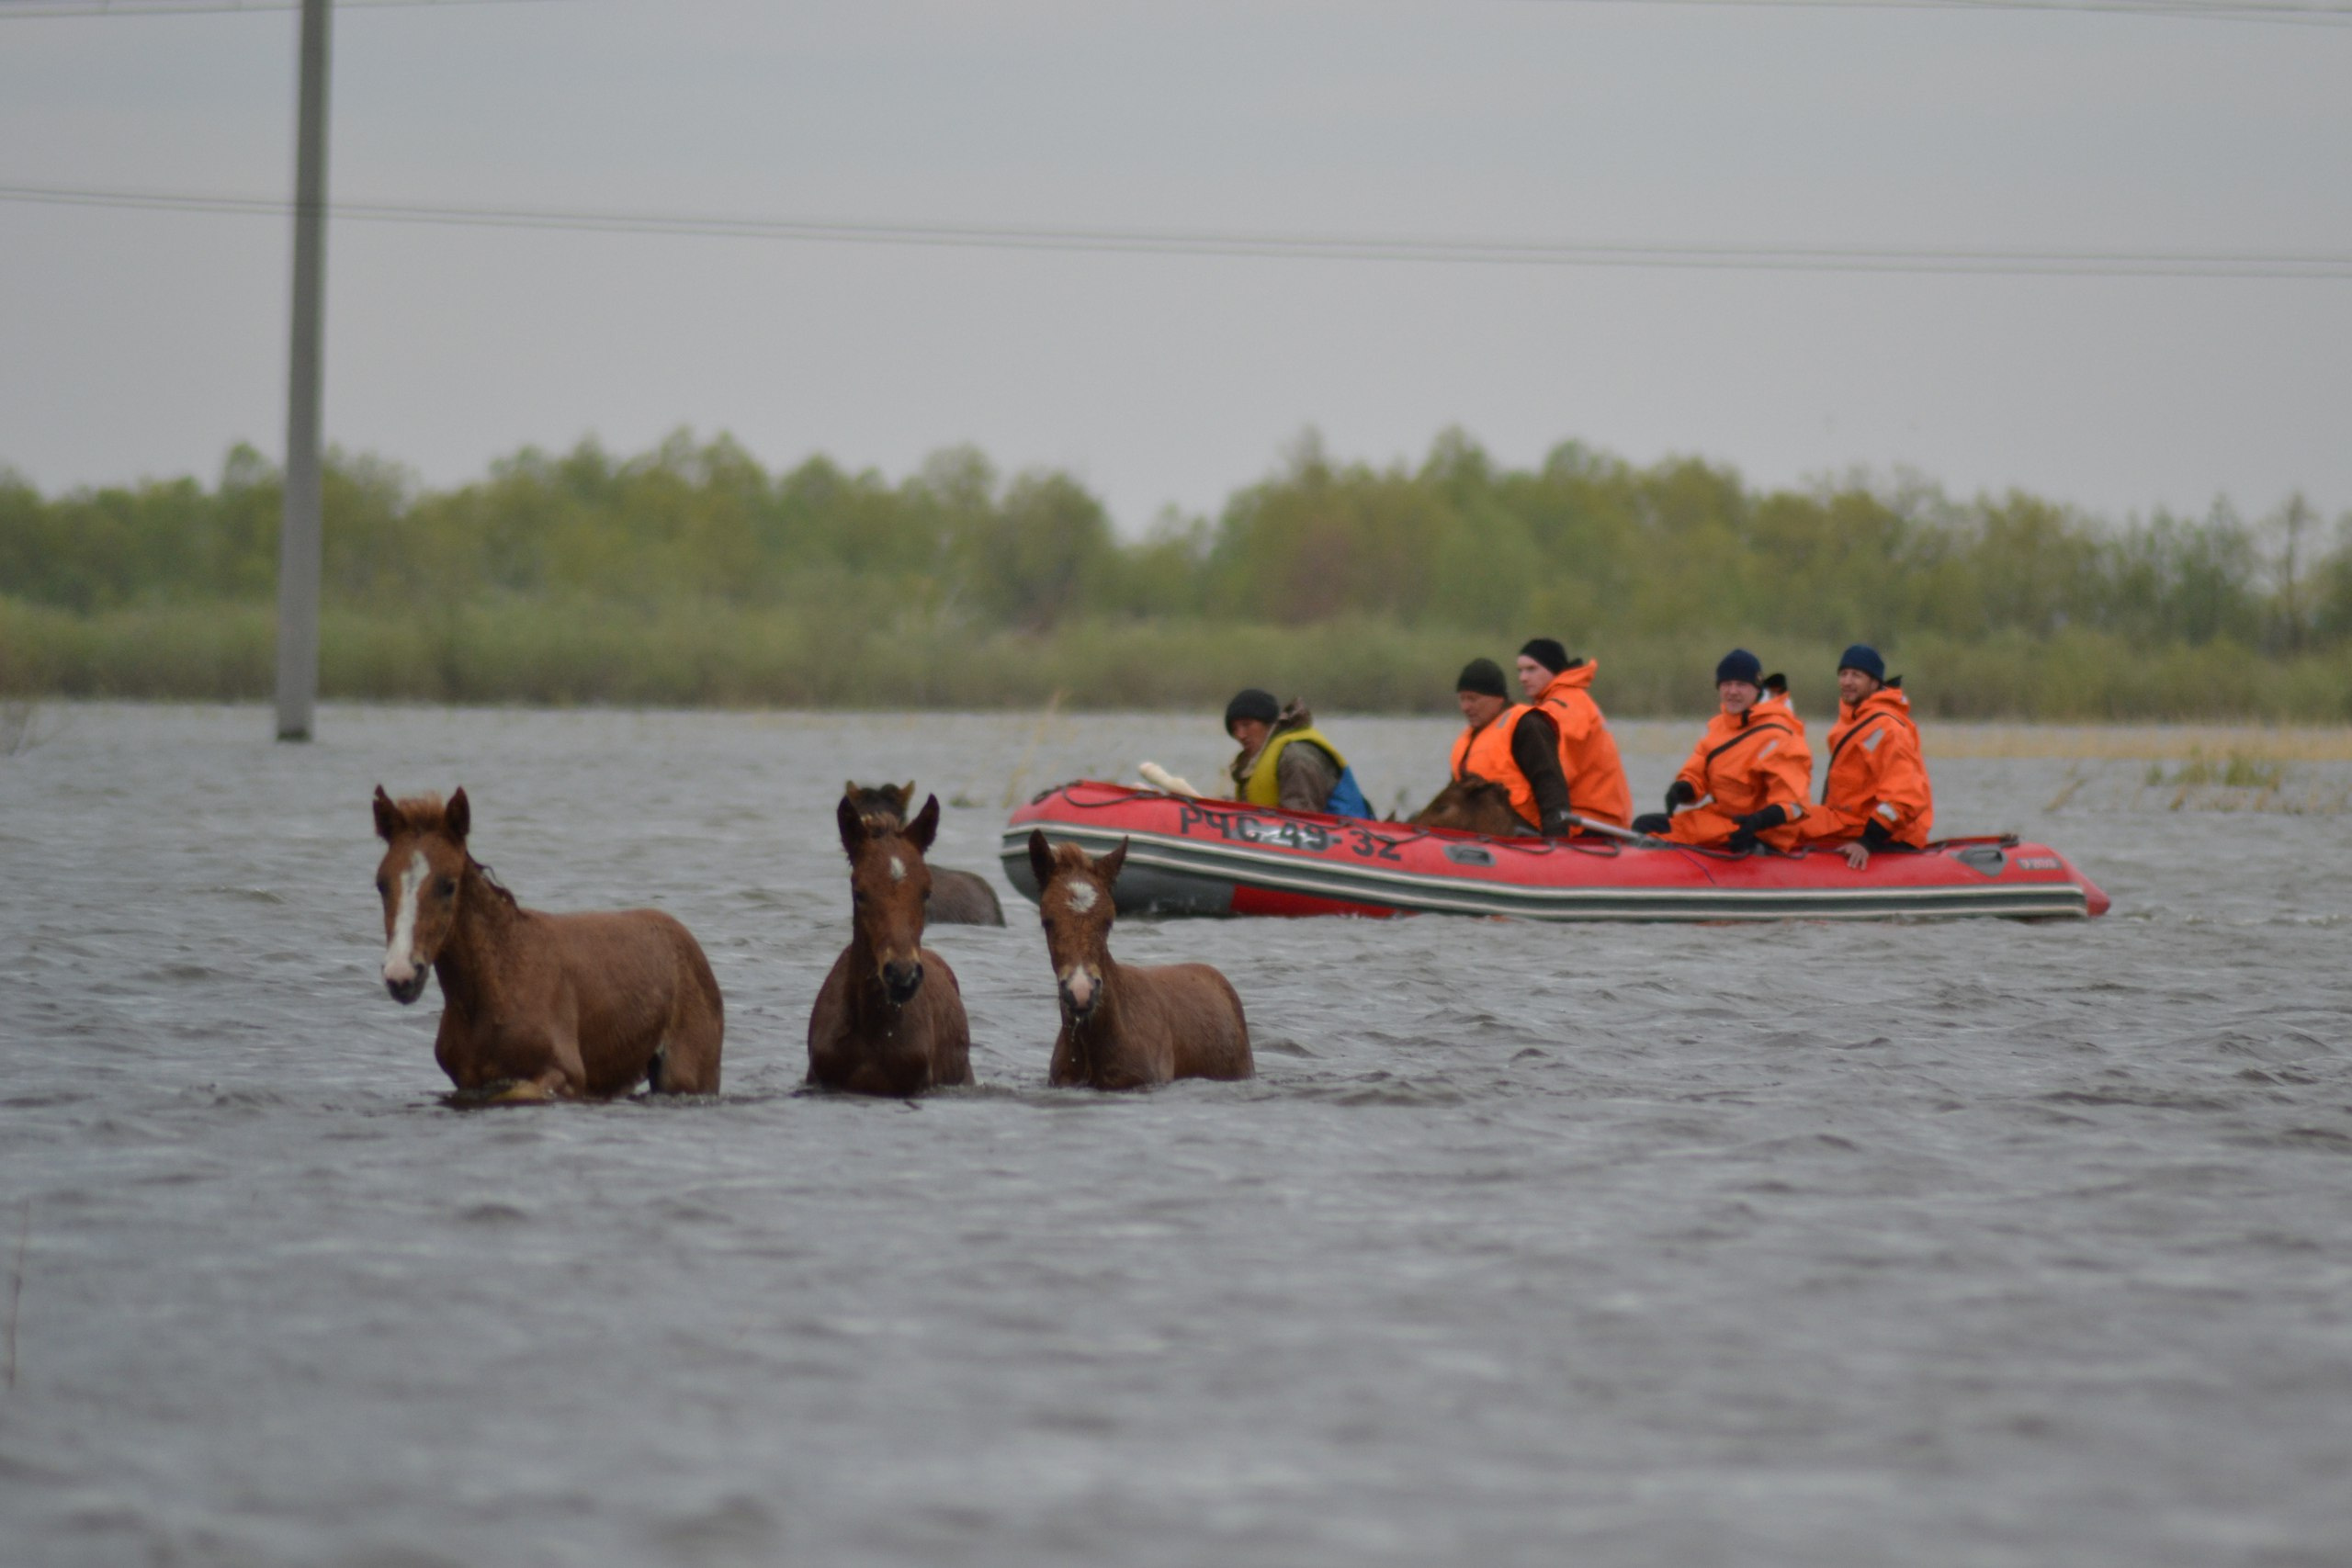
(1513, 745)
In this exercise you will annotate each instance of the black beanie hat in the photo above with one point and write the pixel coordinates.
(1740, 665)
(1483, 676)
(1864, 658)
(1252, 703)
(1547, 652)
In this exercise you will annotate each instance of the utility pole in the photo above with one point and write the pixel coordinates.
(299, 529)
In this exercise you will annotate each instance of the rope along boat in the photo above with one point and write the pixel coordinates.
(1209, 857)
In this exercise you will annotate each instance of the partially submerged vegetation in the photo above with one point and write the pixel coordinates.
(692, 575)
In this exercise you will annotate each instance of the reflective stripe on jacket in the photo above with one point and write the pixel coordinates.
(1486, 753)
(1588, 758)
(1875, 773)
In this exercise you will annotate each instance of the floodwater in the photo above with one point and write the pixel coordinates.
(1973, 1243)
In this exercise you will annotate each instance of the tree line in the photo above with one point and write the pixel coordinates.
(1584, 547)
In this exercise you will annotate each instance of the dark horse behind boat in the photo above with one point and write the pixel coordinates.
(538, 1005)
(889, 1018)
(1191, 857)
(957, 897)
(1126, 1027)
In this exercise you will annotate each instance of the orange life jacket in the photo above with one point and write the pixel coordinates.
(1747, 762)
(1874, 774)
(1486, 753)
(1587, 751)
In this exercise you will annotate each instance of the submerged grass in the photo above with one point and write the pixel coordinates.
(850, 654)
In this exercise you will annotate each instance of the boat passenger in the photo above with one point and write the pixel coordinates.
(1513, 745)
(1561, 687)
(1876, 795)
(1285, 761)
(1748, 778)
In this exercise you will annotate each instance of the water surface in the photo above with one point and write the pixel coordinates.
(1975, 1243)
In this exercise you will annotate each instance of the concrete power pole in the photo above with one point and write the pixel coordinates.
(298, 539)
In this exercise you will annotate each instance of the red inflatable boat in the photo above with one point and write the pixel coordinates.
(1213, 857)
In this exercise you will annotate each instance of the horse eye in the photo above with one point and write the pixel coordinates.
(448, 885)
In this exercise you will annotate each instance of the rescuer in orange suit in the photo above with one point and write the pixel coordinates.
(1747, 779)
(1560, 687)
(1876, 795)
(1513, 745)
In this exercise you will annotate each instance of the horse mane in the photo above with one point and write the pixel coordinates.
(430, 813)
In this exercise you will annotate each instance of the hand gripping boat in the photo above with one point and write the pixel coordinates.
(1210, 857)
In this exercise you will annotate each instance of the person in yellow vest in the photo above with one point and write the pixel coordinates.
(1511, 744)
(1285, 761)
(1561, 686)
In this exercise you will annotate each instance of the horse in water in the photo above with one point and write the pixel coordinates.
(1473, 805)
(957, 897)
(538, 1005)
(1125, 1028)
(889, 1019)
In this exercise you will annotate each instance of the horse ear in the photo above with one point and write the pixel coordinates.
(388, 820)
(906, 793)
(853, 824)
(849, 789)
(460, 816)
(925, 825)
(1107, 866)
(1041, 859)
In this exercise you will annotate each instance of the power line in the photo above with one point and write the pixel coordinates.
(28, 8)
(1945, 260)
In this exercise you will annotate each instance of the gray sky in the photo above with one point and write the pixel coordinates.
(143, 343)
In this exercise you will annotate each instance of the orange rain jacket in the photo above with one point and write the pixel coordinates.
(1875, 775)
(1486, 753)
(1587, 751)
(1747, 763)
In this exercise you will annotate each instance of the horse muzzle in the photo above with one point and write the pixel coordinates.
(1081, 993)
(405, 988)
(902, 981)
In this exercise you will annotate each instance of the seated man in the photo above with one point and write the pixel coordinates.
(1747, 779)
(1560, 687)
(1511, 745)
(1876, 796)
(1285, 761)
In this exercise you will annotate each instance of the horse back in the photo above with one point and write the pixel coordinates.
(635, 977)
(961, 899)
(1199, 1015)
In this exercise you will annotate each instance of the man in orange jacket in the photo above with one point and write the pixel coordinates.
(1560, 687)
(1747, 779)
(1513, 745)
(1876, 796)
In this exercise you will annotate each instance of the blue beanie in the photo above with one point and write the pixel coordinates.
(1740, 665)
(1864, 658)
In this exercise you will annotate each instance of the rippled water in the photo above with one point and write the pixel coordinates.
(1972, 1243)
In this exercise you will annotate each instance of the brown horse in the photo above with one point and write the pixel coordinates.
(538, 1005)
(889, 1019)
(1124, 1028)
(1473, 805)
(957, 897)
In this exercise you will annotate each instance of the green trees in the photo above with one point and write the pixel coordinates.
(1678, 556)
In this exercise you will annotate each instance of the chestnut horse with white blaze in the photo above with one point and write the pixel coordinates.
(889, 1019)
(1125, 1028)
(538, 1005)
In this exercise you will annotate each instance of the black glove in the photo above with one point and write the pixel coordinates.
(1875, 837)
(1680, 793)
(1755, 822)
(1558, 825)
(1653, 823)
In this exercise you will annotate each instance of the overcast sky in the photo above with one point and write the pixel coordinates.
(139, 343)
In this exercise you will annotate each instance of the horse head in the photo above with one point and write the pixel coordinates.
(881, 805)
(888, 882)
(422, 869)
(1074, 904)
(1472, 805)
